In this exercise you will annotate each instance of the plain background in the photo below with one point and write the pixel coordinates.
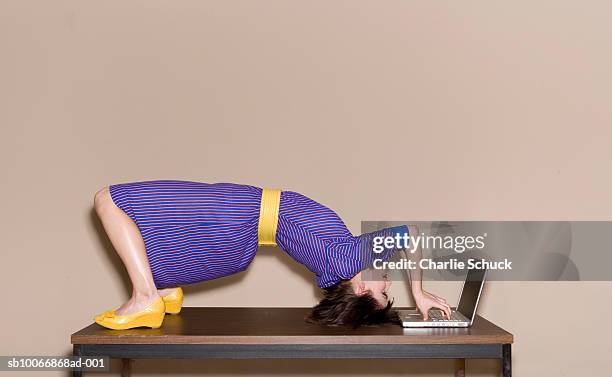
(447, 110)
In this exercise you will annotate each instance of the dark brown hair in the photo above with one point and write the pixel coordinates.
(342, 306)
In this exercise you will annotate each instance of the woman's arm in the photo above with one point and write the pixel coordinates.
(423, 299)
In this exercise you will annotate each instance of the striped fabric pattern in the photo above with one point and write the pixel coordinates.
(196, 231)
(192, 231)
(316, 236)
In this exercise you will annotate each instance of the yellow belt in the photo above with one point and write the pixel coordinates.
(268, 216)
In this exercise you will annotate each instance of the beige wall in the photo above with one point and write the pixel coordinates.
(381, 110)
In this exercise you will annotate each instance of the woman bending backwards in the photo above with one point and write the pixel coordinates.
(170, 233)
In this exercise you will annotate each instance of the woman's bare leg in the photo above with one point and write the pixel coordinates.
(127, 241)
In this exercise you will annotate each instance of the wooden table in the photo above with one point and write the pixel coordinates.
(253, 333)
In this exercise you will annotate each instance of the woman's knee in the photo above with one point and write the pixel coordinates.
(102, 200)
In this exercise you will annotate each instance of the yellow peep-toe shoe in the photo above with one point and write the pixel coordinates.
(152, 316)
(174, 301)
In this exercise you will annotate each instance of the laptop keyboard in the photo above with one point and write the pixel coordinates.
(436, 315)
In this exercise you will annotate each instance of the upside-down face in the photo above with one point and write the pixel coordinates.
(377, 285)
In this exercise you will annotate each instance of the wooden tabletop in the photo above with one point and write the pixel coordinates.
(216, 325)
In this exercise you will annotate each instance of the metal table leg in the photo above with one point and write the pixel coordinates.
(460, 368)
(76, 351)
(126, 367)
(507, 360)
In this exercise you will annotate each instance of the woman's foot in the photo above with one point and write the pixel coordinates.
(166, 291)
(136, 303)
(173, 298)
(151, 316)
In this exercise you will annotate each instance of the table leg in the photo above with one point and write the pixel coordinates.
(126, 367)
(507, 360)
(76, 351)
(459, 367)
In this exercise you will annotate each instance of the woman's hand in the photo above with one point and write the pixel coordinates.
(425, 301)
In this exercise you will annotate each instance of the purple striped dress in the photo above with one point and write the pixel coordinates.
(196, 231)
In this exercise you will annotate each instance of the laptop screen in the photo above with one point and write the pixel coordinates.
(471, 291)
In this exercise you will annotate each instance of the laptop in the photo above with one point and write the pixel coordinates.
(461, 316)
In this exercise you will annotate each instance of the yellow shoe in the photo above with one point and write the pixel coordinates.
(152, 316)
(102, 315)
(174, 301)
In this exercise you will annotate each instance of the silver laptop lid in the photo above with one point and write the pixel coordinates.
(470, 294)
